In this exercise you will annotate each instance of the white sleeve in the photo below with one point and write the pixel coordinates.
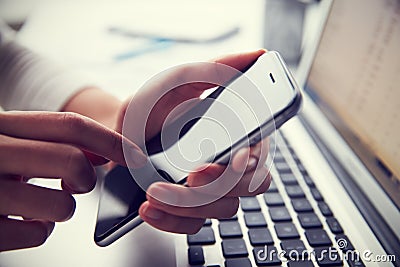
(30, 82)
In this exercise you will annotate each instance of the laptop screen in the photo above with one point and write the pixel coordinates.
(355, 79)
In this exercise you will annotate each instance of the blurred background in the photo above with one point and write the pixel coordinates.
(120, 44)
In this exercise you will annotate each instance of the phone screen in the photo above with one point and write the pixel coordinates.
(251, 107)
(228, 115)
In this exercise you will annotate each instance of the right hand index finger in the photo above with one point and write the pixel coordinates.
(72, 128)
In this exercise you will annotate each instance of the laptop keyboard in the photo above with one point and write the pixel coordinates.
(289, 221)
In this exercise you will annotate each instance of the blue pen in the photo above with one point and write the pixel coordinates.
(154, 45)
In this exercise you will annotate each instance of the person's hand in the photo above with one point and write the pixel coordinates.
(247, 165)
(49, 145)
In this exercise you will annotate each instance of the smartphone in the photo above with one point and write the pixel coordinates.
(239, 114)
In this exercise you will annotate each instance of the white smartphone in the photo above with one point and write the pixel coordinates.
(238, 114)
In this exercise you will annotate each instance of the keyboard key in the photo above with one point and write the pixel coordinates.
(318, 237)
(233, 218)
(288, 179)
(295, 250)
(324, 208)
(196, 255)
(300, 264)
(296, 158)
(273, 199)
(316, 194)
(328, 257)
(229, 229)
(266, 256)
(203, 237)
(241, 262)
(233, 248)
(249, 204)
(334, 225)
(282, 167)
(286, 230)
(302, 169)
(354, 262)
(294, 191)
(288, 147)
(279, 158)
(279, 214)
(272, 187)
(254, 219)
(309, 220)
(260, 237)
(345, 245)
(207, 222)
(301, 205)
(309, 181)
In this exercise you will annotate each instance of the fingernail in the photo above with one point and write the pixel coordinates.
(252, 163)
(163, 194)
(152, 213)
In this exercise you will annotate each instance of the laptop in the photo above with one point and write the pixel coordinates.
(335, 187)
(335, 196)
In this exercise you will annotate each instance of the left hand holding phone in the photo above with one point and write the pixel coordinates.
(248, 162)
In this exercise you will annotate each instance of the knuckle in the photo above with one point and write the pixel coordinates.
(262, 188)
(79, 167)
(76, 160)
(7, 144)
(231, 207)
(39, 235)
(73, 122)
(63, 207)
(115, 141)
